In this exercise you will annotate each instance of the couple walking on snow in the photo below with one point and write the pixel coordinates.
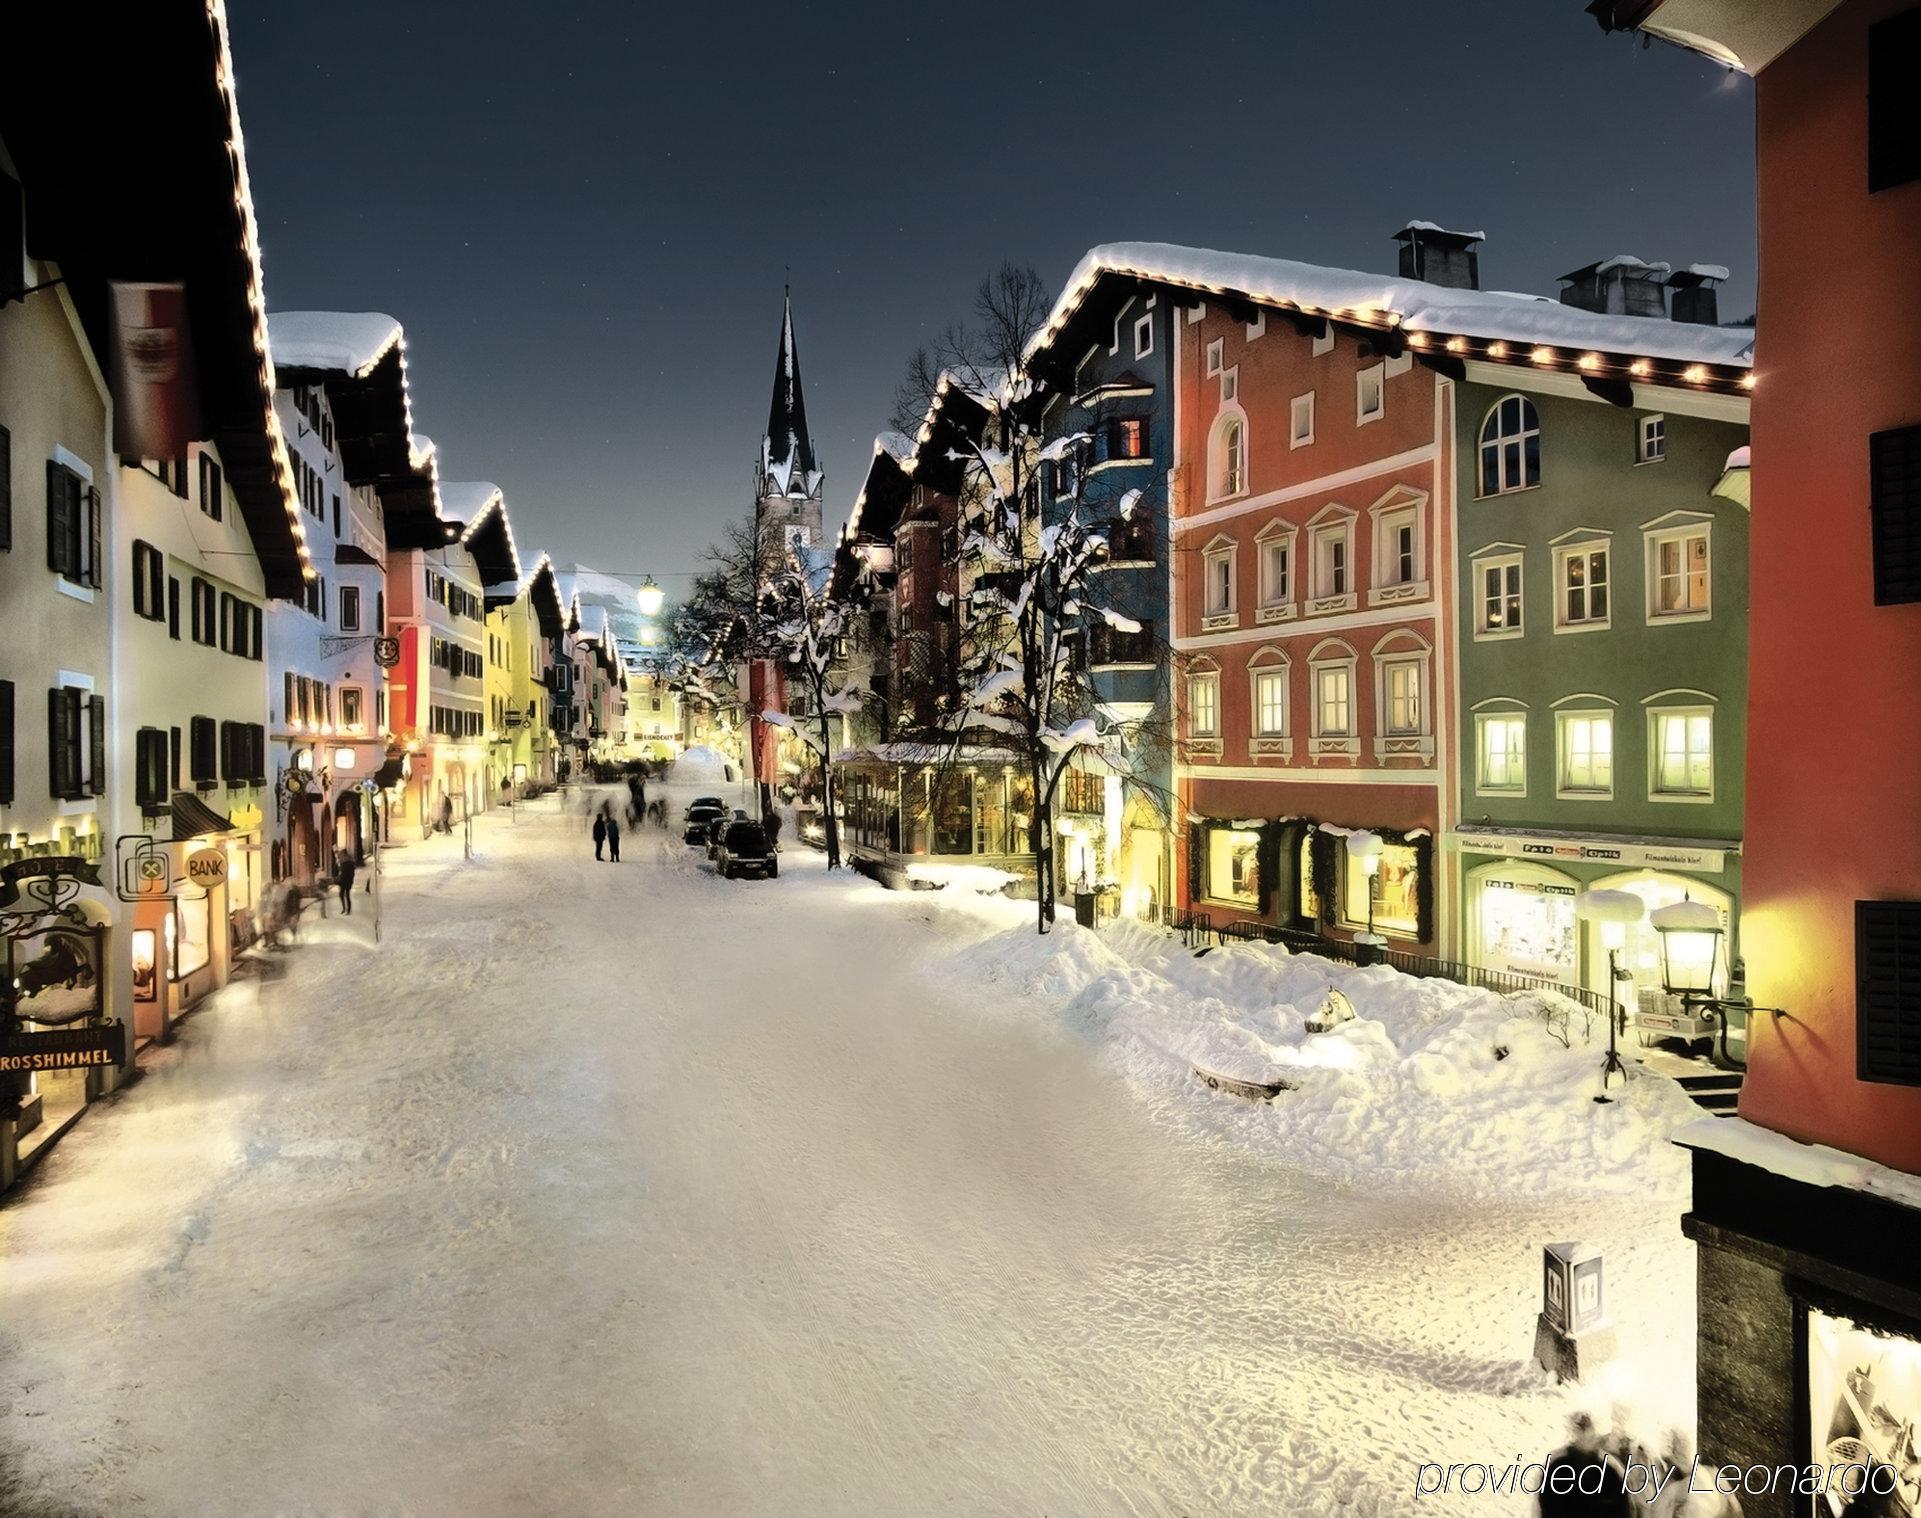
(607, 832)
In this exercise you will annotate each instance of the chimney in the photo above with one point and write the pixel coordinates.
(1439, 256)
(1619, 286)
(1693, 289)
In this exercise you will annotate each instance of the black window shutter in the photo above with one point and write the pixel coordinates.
(97, 744)
(1894, 497)
(59, 519)
(57, 746)
(6, 471)
(173, 608)
(173, 758)
(1887, 967)
(228, 768)
(90, 504)
(6, 742)
(1894, 114)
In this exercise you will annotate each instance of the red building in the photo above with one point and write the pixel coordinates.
(1309, 540)
(1810, 1290)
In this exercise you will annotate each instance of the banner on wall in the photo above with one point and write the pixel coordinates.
(1659, 856)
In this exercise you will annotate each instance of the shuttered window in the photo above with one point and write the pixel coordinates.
(6, 743)
(173, 608)
(6, 487)
(149, 581)
(1894, 111)
(209, 486)
(1894, 486)
(150, 769)
(97, 745)
(63, 742)
(1887, 967)
(201, 757)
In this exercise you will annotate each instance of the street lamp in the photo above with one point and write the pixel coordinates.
(1613, 911)
(1690, 946)
(1364, 853)
(650, 596)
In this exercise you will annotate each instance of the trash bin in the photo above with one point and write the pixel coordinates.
(1084, 905)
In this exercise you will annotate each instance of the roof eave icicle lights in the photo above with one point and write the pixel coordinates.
(256, 295)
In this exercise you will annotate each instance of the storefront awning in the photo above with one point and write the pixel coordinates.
(193, 818)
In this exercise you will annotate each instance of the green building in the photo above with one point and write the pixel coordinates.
(1602, 555)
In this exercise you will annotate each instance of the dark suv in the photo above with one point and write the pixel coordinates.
(700, 816)
(743, 848)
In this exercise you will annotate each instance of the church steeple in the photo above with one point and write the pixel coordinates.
(790, 448)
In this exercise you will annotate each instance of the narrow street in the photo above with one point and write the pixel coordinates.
(602, 1189)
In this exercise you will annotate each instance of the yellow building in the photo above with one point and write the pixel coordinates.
(524, 638)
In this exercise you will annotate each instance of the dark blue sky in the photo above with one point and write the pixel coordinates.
(583, 212)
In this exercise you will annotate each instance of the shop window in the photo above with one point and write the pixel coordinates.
(1234, 865)
(1502, 754)
(1864, 1406)
(188, 934)
(1526, 923)
(1396, 909)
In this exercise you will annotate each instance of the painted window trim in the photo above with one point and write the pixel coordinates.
(1279, 530)
(1565, 547)
(1220, 548)
(1481, 785)
(1641, 424)
(1482, 441)
(1210, 679)
(1564, 715)
(1388, 514)
(1331, 654)
(1691, 709)
(1362, 416)
(1480, 563)
(1215, 358)
(1216, 462)
(1144, 348)
(1265, 661)
(1680, 527)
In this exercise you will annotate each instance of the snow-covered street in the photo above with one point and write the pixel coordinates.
(623, 1189)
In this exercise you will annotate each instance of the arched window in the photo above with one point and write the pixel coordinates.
(1510, 446)
(1228, 473)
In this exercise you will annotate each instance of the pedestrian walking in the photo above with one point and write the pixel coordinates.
(446, 813)
(344, 869)
(613, 839)
(1596, 1486)
(600, 833)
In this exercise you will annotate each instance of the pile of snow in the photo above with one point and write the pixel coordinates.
(981, 879)
(1431, 1085)
(701, 765)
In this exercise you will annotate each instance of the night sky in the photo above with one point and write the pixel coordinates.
(584, 213)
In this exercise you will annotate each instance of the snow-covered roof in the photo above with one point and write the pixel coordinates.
(340, 342)
(465, 500)
(1707, 271)
(1387, 301)
(1435, 226)
(487, 533)
(1811, 1164)
(1625, 261)
(896, 445)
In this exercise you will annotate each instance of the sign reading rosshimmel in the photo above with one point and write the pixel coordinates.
(1647, 1482)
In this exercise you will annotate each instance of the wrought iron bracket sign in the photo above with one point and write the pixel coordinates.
(143, 870)
(51, 1000)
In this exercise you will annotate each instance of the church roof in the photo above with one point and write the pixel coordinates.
(788, 441)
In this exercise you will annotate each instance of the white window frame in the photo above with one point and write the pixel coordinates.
(1230, 385)
(1273, 606)
(1300, 421)
(1220, 486)
(1564, 789)
(1502, 559)
(1403, 654)
(1499, 441)
(1221, 552)
(1331, 658)
(1333, 526)
(1677, 527)
(1323, 345)
(1585, 547)
(1685, 713)
(1397, 509)
(1265, 739)
(1204, 683)
(1645, 434)
(1216, 359)
(1378, 373)
(1484, 723)
(1144, 335)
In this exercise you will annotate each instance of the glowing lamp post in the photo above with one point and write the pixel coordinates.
(470, 758)
(1364, 854)
(651, 597)
(1690, 946)
(1613, 911)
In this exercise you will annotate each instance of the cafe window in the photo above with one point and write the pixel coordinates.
(1396, 909)
(1233, 865)
(188, 934)
(1864, 1408)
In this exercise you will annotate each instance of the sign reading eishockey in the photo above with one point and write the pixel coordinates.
(1667, 856)
(1648, 1482)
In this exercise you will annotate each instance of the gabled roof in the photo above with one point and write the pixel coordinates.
(543, 594)
(1482, 322)
(481, 507)
(164, 200)
(412, 503)
(360, 359)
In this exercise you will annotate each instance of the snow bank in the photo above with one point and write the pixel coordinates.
(700, 765)
(1431, 1085)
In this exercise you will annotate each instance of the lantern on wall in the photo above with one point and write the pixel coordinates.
(1690, 946)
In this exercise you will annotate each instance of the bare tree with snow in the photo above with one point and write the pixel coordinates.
(804, 631)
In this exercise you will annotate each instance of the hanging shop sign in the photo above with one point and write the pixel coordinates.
(1667, 856)
(207, 868)
(95, 1046)
(386, 652)
(54, 868)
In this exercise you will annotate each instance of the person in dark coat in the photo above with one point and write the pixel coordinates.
(600, 833)
(344, 870)
(1599, 1485)
(446, 813)
(613, 839)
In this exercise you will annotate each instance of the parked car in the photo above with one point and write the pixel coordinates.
(719, 826)
(701, 815)
(744, 849)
